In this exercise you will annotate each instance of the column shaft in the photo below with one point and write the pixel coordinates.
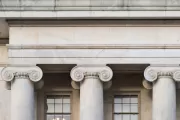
(22, 99)
(91, 99)
(164, 99)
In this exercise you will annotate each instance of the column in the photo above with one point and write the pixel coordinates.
(22, 90)
(91, 80)
(164, 91)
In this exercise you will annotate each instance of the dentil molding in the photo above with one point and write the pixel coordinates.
(78, 73)
(33, 73)
(152, 73)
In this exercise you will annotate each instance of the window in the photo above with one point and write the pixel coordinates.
(126, 107)
(58, 107)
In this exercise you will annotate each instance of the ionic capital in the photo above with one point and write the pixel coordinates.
(104, 73)
(33, 73)
(152, 73)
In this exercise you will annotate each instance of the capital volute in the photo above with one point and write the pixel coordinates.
(33, 73)
(78, 73)
(152, 73)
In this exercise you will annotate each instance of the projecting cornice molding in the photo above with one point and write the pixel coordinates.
(94, 54)
(164, 13)
(152, 73)
(94, 46)
(91, 22)
(33, 73)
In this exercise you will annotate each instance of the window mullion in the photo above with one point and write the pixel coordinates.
(54, 108)
(62, 106)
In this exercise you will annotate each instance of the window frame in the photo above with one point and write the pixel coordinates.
(60, 93)
(137, 93)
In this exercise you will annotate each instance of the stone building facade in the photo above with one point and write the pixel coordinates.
(89, 60)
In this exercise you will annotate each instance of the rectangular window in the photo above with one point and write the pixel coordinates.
(126, 107)
(58, 107)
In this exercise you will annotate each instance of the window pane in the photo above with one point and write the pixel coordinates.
(134, 99)
(58, 117)
(134, 117)
(126, 117)
(134, 108)
(49, 117)
(117, 100)
(126, 108)
(126, 99)
(66, 117)
(117, 117)
(50, 108)
(117, 108)
(58, 108)
(59, 100)
(66, 108)
(66, 100)
(50, 100)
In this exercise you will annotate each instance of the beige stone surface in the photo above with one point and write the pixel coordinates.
(3, 54)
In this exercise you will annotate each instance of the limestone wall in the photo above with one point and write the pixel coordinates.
(3, 54)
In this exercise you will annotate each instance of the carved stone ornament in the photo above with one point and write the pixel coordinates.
(104, 73)
(176, 75)
(152, 73)
(33, 73)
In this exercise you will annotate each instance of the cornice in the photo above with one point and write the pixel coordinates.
(125, 14)
(94, 46)
(96, 22)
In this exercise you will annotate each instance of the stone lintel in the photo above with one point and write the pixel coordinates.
(152, 72)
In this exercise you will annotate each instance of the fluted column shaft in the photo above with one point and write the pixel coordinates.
(91, 90)
(164, 91)
(22, 90)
